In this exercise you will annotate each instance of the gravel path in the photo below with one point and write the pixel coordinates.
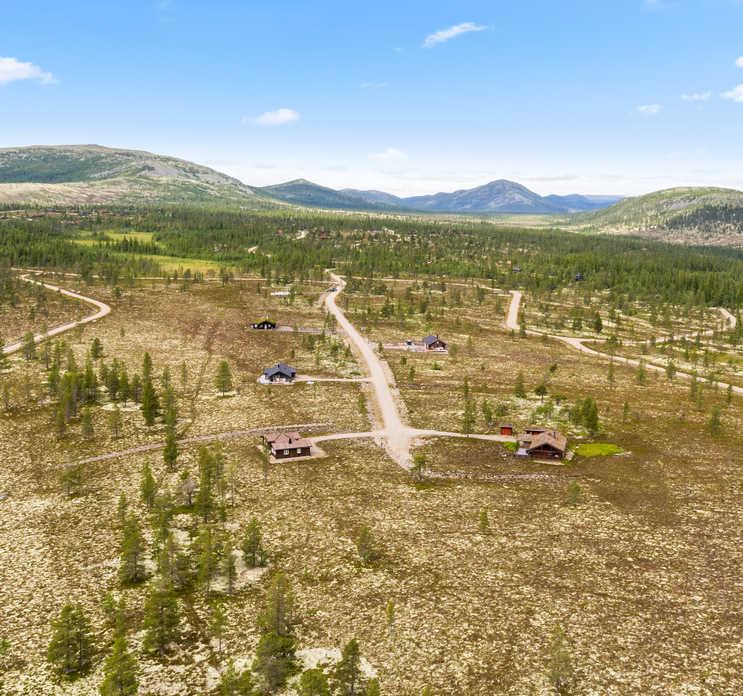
(512, 322)
(102, 307)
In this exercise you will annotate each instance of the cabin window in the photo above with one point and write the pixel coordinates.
(286, 451)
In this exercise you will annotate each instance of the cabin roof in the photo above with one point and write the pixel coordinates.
(285, 440)
(551, 438)
(429, 340)
(280, 369)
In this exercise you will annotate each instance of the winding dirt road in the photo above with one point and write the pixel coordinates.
(102, 307)
(397, 436)
(512, 322)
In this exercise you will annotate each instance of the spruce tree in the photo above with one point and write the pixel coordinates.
(313, 682)
(131, 570)
(223, 380)
(229, 569)
(115, 423)
(150, 403)
(161, 619)
(347, 673)
(119, 671)
(86, 424)
(147, 486)
(252, 545)
(233, 683)
(70, 648)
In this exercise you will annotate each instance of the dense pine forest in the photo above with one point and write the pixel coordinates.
(291, 244)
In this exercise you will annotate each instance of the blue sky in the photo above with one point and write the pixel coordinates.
(625, 97)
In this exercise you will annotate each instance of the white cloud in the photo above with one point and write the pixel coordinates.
(735, 94)
(374, 85)
(445, 34)
(391, 154)
(697, 96)
(739, 62)
(650, 109)
(274, 118)
(12, 70)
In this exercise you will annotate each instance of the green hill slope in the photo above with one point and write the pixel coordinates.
(683, 215)
(91, 174)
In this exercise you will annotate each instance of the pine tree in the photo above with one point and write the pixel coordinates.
(223, 380)
(86, 424)
(347, 673)
(161, 619)
(29, 346)
(275, 658)
(115, 422)
(147, 486)
(366, 547)
(468, 418)
(96, 348)
(146, 368)
(229, 569)
(217, 623)
(131, 570)
(590, 416)
(313, 682)
(252, 545)
(560, 675)
(715, 421)
(206, 557)
(204, 497)
(119, 671)
(170, 451)
(541, 390)
(70, 649)
(234, 684)
(484, 522)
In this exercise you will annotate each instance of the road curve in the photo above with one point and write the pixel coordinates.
(512, 322)
(102, 310)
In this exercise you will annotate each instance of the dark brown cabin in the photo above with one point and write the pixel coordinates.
(550, 444)
(434, 343)
(264, 325)
(287, 445)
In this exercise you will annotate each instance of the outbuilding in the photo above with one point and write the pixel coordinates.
(506, 429)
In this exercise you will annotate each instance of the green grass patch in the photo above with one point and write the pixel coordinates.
(597, 449)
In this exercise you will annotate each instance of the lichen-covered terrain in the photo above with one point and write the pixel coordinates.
(640, 567)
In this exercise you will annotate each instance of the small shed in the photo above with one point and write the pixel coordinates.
(280, 372)
(287, 445)
(264, 325)
(506, 429)
(434, 343)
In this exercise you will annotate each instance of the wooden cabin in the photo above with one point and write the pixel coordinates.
(506, 429)
(280, 372)
(433, 343)
(287, 445)
(264, 325)
(550, 444)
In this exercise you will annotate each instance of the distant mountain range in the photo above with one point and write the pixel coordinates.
(95, 175)
(501, 196)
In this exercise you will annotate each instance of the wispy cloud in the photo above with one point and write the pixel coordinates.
(735, 94)
(273, 118)
(13, 70)
(650, 109)
(697, 96)
(374, 85)
(445, 34)
(391, 154)
(739, 62)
